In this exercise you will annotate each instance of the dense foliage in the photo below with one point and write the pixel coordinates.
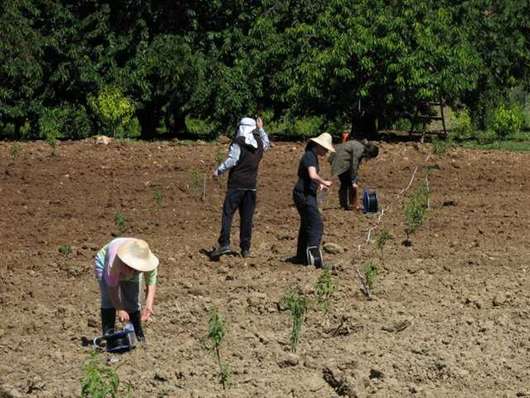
(130, 68)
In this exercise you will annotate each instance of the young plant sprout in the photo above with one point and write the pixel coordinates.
(297, 304)
(216, 334)
(119, 220)
(382, 238)
(324, 289)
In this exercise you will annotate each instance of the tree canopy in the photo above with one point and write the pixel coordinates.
(155, 66)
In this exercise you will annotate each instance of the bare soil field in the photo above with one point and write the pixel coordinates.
(450, 315)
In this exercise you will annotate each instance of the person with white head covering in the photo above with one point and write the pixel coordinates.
(242, 163)
(305, 199)
(120, 267)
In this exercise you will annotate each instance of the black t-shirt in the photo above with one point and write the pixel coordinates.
(305, 184)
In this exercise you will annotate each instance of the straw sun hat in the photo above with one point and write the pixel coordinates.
(136, 254)
(325, 141)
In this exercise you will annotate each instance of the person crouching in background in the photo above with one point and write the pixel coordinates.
(345, 164)
(120, 267)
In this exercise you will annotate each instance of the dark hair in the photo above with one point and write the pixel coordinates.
(371, 150)
(310, 146)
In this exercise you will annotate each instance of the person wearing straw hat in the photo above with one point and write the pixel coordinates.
(345, 164)
(305, 198)
(243, 160)
(120, 267)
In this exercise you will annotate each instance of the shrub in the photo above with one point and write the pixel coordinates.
(307, 127)
(65, 250)
(295, 127)
(440, 146)
(462, 126)
(370, 274)
(64, 122)
(297, 304)
(507, 121)
(416, 208)
(119, 220)
(324, 288)
(15, 149)
(115, 112)
(381, 239)
(196, 185)
(216, 334)
(99, 380)
(199, 127)
(157, 195)
(486, 137)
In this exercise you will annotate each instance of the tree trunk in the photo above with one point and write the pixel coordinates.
(364, 126)
(149, 118)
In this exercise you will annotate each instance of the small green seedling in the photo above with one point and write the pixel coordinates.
(157, 195)
(197, 182)
(119, 220)
(65, 250)
(99, 380)
(216, 334)
(382, 238)
(415, 209)
(370, 274)
(324, 289)
(15, 150)
(297, 304)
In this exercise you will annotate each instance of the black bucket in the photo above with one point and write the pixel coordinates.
(370, 201)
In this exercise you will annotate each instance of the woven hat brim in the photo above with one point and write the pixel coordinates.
(135, 262)
(323, 144)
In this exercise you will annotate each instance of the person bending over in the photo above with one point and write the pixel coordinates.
(120, 268)
(345, 164)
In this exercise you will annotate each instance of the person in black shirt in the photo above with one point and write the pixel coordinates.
(305, 199)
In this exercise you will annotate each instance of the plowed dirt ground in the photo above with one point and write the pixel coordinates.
(450, 315)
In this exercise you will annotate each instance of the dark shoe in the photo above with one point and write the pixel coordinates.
(135, 318)
(295, 260)
(245, 253)
(219, 251)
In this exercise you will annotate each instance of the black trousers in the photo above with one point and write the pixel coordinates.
(311, 226)
(245, 201)
(345, 190)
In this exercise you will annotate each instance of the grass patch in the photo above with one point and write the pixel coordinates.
(511, 146)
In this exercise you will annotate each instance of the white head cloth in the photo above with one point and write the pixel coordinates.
(245, 128)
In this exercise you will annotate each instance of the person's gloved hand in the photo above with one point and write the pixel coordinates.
(215, 173)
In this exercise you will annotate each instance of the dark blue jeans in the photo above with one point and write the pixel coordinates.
(311, 226)
(245, 201)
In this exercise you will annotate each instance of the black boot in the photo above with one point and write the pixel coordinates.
(108, 318)
(135, 318)
(343, 199)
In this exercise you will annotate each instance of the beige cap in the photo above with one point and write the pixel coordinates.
(136, 254)
(325, 141)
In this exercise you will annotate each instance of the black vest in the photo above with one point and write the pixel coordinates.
(244, 174)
